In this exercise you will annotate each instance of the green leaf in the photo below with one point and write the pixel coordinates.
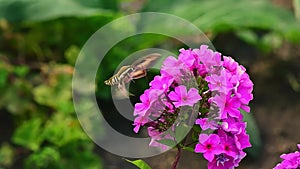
(180, 132)
(296, 5)
(48, 157)
(190, 149)
(53, 97)
(248, 36)
(29, 134)
(6, 155)
(21, 70)
(167, 142)
(20, 88)
(270, 41)
(139, 163)
(85, 159)
(197, 128)
(213, 16)
(36, 10)
(3, 77)
(57, 93)
(195, 133)
(71, 54)
(253, 131)
(61, 130)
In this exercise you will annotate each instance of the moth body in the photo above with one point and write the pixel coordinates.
(137, 70)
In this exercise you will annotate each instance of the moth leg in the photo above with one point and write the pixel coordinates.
(121, 91)
(131, 78)
(145, 74)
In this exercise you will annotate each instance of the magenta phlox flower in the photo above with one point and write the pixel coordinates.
(239, 72)
(290, 160)
(243, 89)
(188, 57)
(201, 70)
(139, 121)
(239, 158)
(230, 64)
(161, 83)
(208, 145)
(156, 136)
(242, 85)
(208, 57)
(221, 161)
(219, 86)
(206, 123)
(227, 143)
(245, 80)
(224, 161)
(171, 66)
(147, 99)
(219, 100)
(242, 140)
(227, 105)
(182, 97)
(244, 93)
(152, 132)
(220, 82)
(233, 125)
(154, 143)
(232, 106)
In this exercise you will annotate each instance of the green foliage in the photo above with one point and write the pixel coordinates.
(71, 54)
(28, 134)
(190, 149)
(6, 155)
(297, 8)
(168, 142)
(48, 125)
(61, 130)
(48, 157)
(21, 71)
(35, 10)
(12, 87)
(214, 16)
(140, 163)
(83, 157)
(58, 88)
(73, 155)
(3, 77)
(181, 132)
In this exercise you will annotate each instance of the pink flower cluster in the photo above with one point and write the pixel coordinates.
(291, 160)
(232, 91)
(213, 86)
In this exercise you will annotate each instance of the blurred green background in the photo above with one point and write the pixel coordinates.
(40, 41)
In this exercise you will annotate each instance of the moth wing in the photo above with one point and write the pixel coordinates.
(121, 92)
(127, 79)
(134, 75)
(146, 62)
(122, 69)
(138, 74)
